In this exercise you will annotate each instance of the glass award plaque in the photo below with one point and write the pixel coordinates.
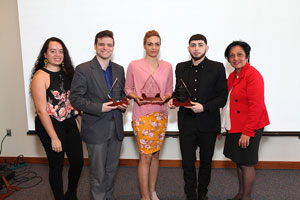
(181, 95)
(117, 94)
(151, 92)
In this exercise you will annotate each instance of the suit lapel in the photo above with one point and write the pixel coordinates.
(115, 73)
(185, 74)
(236, 80)
(241, 74)
(97, 73)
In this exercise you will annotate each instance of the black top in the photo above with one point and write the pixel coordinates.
(194, 80)
(58, 92)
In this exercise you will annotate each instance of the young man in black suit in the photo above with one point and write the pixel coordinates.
(199, 124)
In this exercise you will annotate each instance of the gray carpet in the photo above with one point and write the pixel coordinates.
(269, 184)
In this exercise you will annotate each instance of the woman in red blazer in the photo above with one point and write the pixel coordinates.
(245, 115)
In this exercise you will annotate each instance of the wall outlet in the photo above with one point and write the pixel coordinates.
(8, 132)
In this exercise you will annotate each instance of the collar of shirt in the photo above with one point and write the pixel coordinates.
(108, 67)
(201, 64)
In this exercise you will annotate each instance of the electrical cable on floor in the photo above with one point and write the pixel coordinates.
(18, 160)
(24, 176)
(21, 176)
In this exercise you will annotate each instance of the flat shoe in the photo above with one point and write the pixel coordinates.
(154, 196)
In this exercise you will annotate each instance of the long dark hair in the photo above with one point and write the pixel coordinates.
(39, 63)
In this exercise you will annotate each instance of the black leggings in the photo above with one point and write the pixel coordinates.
(70, 138)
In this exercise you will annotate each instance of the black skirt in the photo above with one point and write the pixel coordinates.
(246, 156)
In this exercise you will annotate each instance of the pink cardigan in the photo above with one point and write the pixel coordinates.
(137, 73)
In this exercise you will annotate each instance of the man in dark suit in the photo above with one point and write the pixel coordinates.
(199, 124)
(102, 125)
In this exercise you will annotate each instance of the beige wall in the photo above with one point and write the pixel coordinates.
(12, 101)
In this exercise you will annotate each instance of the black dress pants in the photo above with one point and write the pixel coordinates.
(70, 138)
(190, 138)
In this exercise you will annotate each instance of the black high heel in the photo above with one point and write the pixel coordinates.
(235, 198)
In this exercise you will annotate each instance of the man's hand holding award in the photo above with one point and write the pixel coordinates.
(117, 94)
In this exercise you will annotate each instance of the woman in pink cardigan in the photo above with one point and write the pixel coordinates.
(149, 120)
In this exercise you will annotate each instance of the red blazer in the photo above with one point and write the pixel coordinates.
(248, 111)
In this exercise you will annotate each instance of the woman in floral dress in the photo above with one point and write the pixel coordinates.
(149, 120)
(55, 121)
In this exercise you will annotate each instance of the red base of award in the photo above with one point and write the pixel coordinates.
(124, 101)
(178, 103)
(156, 99)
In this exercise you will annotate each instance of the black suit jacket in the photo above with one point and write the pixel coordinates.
(88, 93)
(212, 93)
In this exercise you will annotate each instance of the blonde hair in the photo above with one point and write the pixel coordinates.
(150, 34)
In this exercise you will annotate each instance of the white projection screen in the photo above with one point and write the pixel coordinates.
(270, 27)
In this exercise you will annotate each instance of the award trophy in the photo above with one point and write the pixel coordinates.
(151, 92)
(181, 95)
(117, 94)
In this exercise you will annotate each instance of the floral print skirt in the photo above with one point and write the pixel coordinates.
(150, 132)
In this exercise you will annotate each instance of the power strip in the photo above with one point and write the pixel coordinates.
(17, 166)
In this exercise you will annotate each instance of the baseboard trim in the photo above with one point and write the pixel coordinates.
(169, 163)
(220, 164)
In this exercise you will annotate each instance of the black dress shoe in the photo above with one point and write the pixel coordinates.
(70, 196)
(203, 198)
